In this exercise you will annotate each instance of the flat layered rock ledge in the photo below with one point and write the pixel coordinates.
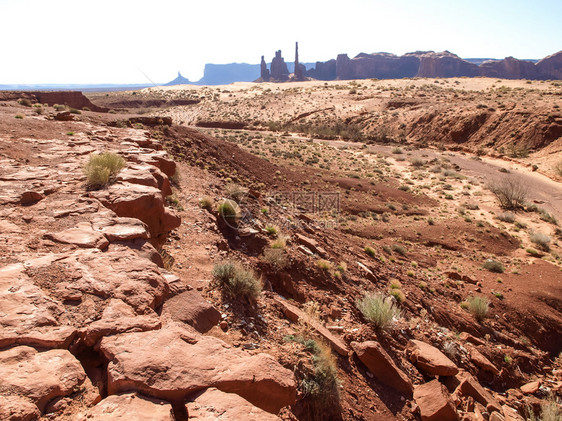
(82, 288)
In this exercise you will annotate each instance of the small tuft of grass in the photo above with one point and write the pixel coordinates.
(272, 229)
(398, 295)
(206, 202)
(102, 169)
(229, 209)
(279, 243)
(399, 249)
(238, 280)
(378, 310)
(370, 251)
(478, 307)
(324, 265)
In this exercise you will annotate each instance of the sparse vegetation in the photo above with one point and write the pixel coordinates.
(370, 251)
(272, 229)
(541, 240)
(378, 310)
(493, 266)
(102, 169)
(506, 217)
(511, 192)
(324, 265)
(238, 280)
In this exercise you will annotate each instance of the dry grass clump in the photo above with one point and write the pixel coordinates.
(206, 202)
(235, 191)
(237, 279)
(229, 209)
(276, 257)
(102, 168)
(378, 310)
(478, 307)
(324, 265)
(370, 251)
(511, 192)
(541, 240)
(506, 217)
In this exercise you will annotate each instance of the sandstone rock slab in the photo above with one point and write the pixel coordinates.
(120, 229)
(82, 235)
(379, 363)
(39, 376)
(430, 359)
(27, 314)
(175, 361)
(142, 202)
(214, 404)
(434, 402)
(18, 408)
(191, 308)
(119, 317)
(127, 407)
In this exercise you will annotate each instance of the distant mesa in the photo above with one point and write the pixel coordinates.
(180, 80)
(382, 65)
(416, 64)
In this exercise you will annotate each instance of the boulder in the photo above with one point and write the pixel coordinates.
(142, 202)
(176, 361)
(127, 407)
(213, 404)
(191, 308)
(434, 402)
(81, 235)
(39, 376)
(429, 359)
(379, 363)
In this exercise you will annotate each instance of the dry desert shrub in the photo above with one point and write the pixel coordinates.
(378, 310)
(493, 266)
(276, 257)
(237, 279)
(541, 240)
(102, 168)
(511, 192)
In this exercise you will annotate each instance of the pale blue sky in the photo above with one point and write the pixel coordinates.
(108, 41)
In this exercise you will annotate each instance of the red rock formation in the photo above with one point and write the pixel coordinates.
(509, 68)
(445, 64)
(551, 67)
(279, 70)
(299, 68)
(73, 99)
(264, 71)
